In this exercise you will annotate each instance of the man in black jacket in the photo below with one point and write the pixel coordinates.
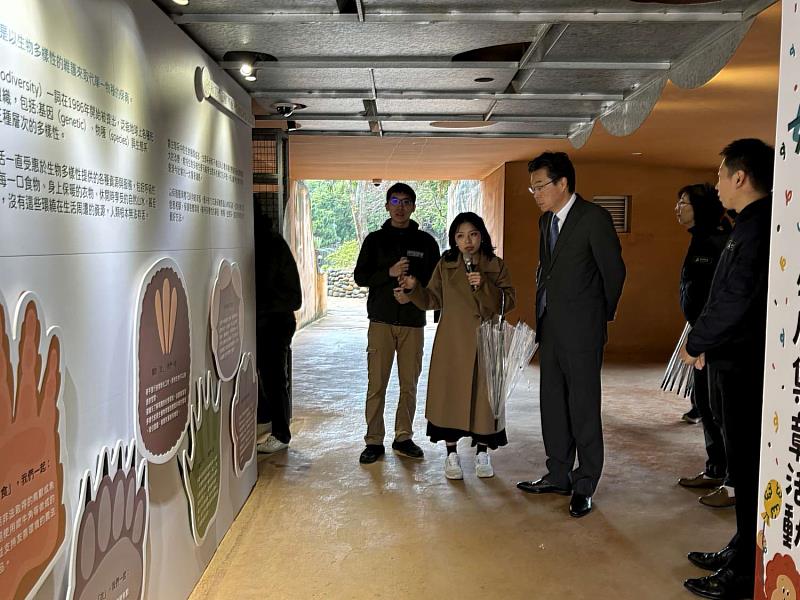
(729, 337)
(398, 248)
(278, 295)
(700, 211)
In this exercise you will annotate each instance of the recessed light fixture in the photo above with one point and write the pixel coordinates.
(637, 154)
(635, 86)
(246, 69)
(251, 77)
(181, 2)
(483, 79)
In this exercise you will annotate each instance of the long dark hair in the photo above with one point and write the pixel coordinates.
(486, 247)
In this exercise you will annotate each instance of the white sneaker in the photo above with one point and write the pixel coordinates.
(272, 444)
(452, 467)
(262, 428)
(483, 466)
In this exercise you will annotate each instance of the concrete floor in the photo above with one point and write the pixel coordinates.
(320, 525)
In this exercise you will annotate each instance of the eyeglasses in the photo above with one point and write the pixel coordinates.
(536, 189)
(404, 202)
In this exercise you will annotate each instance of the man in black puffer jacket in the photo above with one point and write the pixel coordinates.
(398, 248)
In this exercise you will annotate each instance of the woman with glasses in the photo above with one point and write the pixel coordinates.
(470, 284)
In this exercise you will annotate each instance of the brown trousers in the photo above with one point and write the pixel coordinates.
(383, 341)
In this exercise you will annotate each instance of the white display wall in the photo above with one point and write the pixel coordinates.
(126, 302)
(778, 550)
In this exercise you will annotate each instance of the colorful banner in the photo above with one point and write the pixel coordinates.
(778, 549)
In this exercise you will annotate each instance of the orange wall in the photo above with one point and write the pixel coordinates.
(649, 319)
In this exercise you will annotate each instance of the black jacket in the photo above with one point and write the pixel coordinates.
(731, 330)
(277, 280)
(698, 268)
(382, 249)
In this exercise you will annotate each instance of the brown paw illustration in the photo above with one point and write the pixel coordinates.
(32, 515)
(109, 543)
(243, 415)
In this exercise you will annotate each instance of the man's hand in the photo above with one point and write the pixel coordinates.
(401, 296)
(408, 282)
(400, 268)
(698, 362)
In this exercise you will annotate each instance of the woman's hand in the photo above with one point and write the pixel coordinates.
(474, 279)
(401, 296)
(408, 282)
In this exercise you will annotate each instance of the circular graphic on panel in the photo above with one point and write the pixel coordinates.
(227, 319)
(163, 357)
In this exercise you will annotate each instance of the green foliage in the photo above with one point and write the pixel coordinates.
(344, 257)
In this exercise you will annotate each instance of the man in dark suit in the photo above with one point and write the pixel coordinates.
(578, 284)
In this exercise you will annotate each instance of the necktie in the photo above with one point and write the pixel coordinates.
(553, 232)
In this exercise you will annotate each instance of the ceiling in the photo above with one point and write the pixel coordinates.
(389, 91)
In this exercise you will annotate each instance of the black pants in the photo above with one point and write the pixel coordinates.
(274, 333)
(570, 407)
(741, 394)
(717, 463)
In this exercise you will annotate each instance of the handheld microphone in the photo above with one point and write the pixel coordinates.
(469, 267)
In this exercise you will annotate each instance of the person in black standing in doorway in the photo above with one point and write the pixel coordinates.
(278, 295)
(396, 326)
(729, 338)
(700, 211)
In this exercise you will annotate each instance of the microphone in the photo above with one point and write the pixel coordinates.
(469, 267)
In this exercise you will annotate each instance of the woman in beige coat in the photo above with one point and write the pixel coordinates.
(468, 285)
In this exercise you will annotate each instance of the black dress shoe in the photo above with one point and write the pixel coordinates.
(542, 486)
(712, 561)
(580, 505)
(371, 453)
(725, 584)
(408, 448)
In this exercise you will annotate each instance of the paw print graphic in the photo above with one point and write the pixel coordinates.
(32, 514)
(199, 466)
(109, 544)
(243, 415)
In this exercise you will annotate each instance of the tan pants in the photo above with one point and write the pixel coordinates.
(382, 342)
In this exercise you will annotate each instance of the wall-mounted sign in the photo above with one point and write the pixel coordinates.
(210, 90)
(162, 362)
(109, 544)
(32, 456)
(243, 415)
(227, 319)
(199, 466)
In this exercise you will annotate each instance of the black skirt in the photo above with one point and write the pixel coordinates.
(447, 434)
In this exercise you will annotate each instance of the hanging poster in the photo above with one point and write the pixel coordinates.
(109, 543)
(200, 465)
(778, 539)
(244, 414)
(227, 319)
(163, 362)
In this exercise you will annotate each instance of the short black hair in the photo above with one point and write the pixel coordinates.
(486, 240)
(558, 165)
(755, 157)
(707, 208)
(401, 188)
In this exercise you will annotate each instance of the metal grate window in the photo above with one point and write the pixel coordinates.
(268, 175)
(620, 209)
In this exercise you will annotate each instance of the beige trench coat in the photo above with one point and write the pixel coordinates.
(457, 393)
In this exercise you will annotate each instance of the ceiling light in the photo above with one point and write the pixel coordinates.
(251, 77)
(483, 79)
(246, 69)
(637, 153)
(181, 2)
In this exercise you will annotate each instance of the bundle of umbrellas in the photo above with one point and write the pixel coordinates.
(505, 350)
(678, 376)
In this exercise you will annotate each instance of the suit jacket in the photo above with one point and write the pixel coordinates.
(583, 276)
